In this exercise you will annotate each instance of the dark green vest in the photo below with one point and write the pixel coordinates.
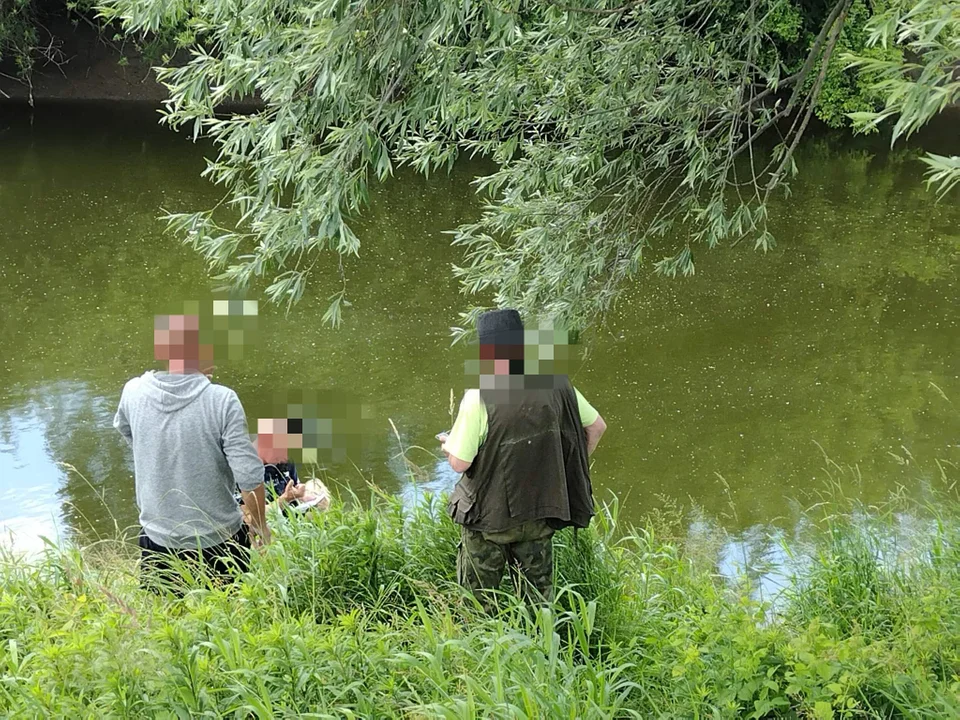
(532, 465)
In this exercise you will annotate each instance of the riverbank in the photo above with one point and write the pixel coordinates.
(353, 613)
(84, 65)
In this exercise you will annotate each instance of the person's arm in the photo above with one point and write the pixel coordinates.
(255, 503)
(593, 424)
(121, 422)
(461, 446)
(458, 465)
(594, 432)
(246, 466)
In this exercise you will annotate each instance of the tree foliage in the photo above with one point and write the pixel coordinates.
(849, 89)
(793, 26)
(619, 130)
(18, 34)
(917, 89)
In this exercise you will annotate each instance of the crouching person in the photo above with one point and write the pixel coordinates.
(191, 449)
(283, 489)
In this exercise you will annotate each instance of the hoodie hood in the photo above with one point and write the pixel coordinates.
(170, 392)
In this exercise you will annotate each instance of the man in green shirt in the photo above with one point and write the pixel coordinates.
(522, 443)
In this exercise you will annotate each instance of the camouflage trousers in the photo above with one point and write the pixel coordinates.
(527, 551)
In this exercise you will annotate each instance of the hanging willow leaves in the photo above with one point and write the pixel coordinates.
(624, 133)
(918, 89)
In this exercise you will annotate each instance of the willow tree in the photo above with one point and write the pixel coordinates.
(624, 132)
(917, 89)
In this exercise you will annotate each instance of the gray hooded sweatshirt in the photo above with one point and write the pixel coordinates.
(191, 450)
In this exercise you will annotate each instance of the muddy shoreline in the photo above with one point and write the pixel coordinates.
(90, 67)
(85, 66)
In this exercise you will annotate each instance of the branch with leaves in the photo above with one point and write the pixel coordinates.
(619, 132)
(916, 90)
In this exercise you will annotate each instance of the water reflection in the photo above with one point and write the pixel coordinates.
(441, 480)
(58, 461)
(758, 559)
(765, 560)
(845, 335)
(29, 500)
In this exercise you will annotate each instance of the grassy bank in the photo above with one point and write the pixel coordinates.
(353, 613)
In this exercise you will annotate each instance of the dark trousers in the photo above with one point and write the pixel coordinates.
(170, 568)
(527, 551)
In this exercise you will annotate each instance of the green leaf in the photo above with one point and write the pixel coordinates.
(823, 710)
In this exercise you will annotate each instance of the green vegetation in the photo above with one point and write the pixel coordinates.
(916, 91)
(352, 614)
(33, 34)
(792, 26)
(18, 34)
(620, 131)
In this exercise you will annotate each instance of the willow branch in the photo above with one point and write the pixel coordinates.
(787, 81)
(766, 126)
(841, 7)
(599, 11)
(814, 94)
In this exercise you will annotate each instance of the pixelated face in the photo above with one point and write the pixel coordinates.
(322, 426)
(276, 437)
(176, 339)
(501, 359)
(545, 351)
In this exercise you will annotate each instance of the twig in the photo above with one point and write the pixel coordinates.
(52, 52)
(787, 81)
(600, 11)
(101, 37)
(841, 6)
(766, 126)
(814, 95)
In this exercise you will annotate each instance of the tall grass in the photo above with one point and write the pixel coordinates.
(354, 613)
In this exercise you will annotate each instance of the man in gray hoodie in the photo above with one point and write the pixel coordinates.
(191, 449)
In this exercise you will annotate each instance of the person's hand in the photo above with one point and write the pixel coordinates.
(443, 437)
(261, 537)
(292, 492)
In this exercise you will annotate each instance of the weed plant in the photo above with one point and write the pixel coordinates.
(353, 613)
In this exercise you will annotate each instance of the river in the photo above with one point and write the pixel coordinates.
(723, 392)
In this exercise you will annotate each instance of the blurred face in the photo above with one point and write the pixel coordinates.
(274, 440)
(176, 339)
(496, 359)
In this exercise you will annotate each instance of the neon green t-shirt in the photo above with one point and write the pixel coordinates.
(470, 428)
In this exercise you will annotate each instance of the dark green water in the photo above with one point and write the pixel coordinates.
(717, 388)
